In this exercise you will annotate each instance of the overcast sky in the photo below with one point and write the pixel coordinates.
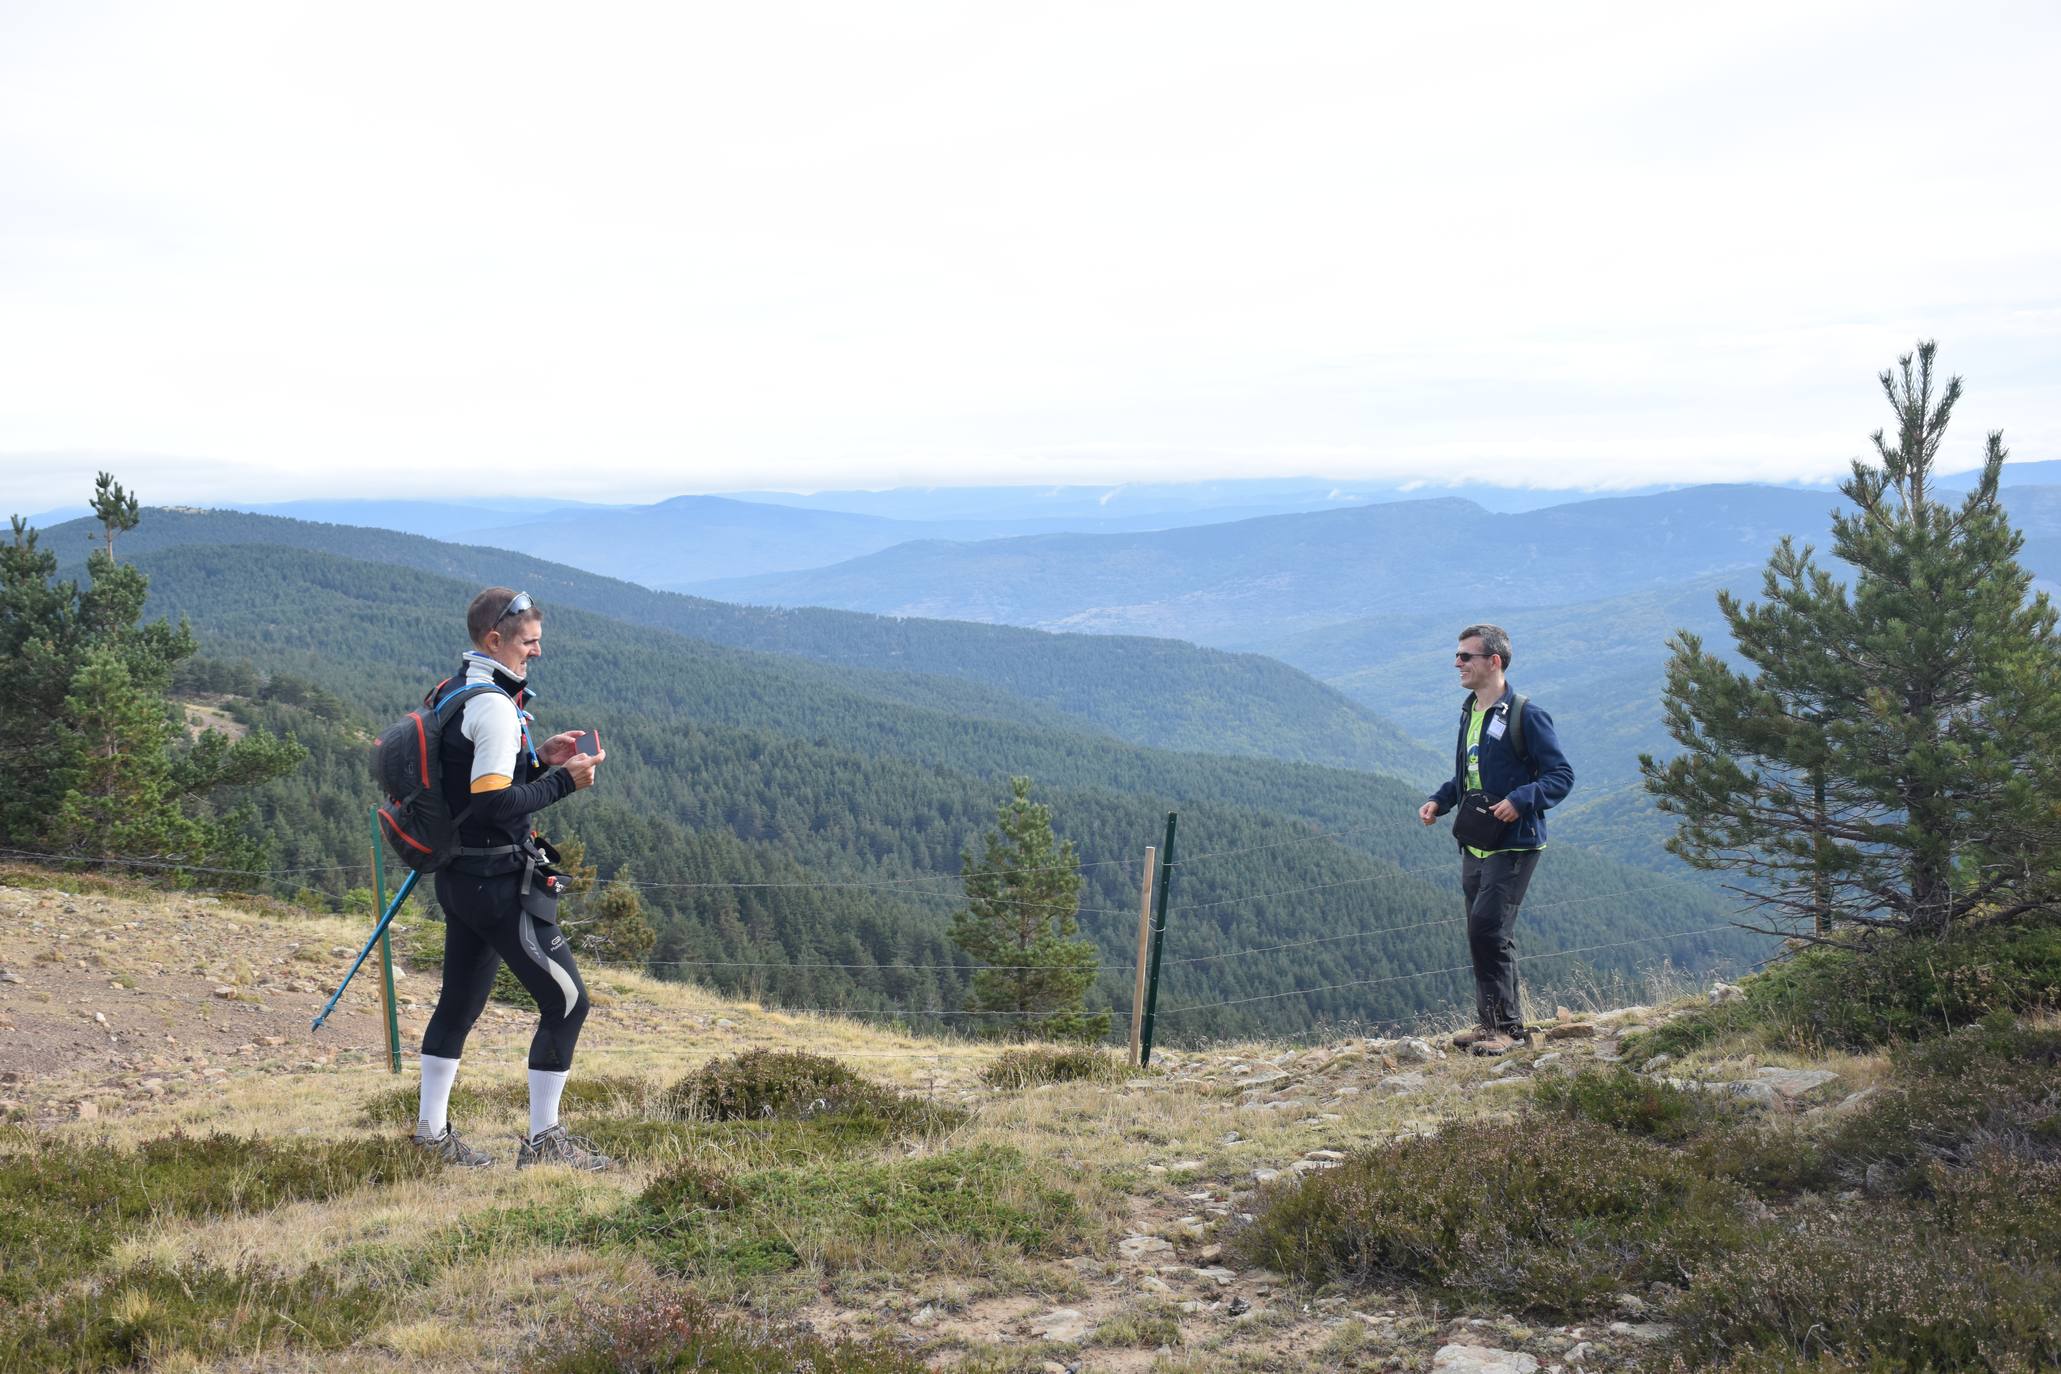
(620, 252)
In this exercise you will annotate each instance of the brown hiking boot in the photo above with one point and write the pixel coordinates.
(1495, 1042)
(1467, 1037)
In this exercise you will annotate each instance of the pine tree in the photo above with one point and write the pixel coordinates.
(96, 756)
(617, 930)
(115, 508)
(1887, 762)
(1023, 900)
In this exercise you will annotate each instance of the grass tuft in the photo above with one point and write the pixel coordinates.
(661, 1333)
(1027, 1068)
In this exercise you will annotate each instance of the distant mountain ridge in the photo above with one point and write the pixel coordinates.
(1161, 693)
(1250, 582)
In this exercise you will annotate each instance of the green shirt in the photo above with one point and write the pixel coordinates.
(1476, 718)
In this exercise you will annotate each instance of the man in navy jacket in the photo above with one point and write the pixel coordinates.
(1493, 879)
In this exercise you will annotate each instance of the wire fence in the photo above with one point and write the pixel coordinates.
(967, 968)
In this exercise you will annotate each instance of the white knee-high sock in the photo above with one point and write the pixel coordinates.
(546, 1085)
(437, 1076)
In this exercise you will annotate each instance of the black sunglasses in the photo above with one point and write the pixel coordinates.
(517, 604)
(1462, 656)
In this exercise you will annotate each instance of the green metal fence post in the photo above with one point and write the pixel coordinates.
(1166, 879)
(386, 953)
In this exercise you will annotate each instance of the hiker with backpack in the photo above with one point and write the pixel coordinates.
(1507, 770)
(463, 779)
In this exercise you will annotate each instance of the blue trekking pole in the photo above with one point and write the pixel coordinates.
(407, 886)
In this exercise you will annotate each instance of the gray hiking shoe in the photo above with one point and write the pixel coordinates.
(449, 1148)
(1468, 1037)
(556, 1147)
(1496, 1043)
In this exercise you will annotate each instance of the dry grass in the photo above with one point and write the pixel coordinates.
(1126, 1153)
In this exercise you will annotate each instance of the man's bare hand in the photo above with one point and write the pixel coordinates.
(1503, 811)
(1428, 812)
(557, 749)
(581, 766)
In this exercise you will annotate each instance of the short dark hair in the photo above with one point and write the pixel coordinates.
(1494, 640)
(486, 612)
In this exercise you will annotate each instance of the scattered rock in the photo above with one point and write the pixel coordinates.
(1326, 1156)
(1572, 1030)
(1265, 1175)
(1185, 1166)
(1217, 1274)
(1398, 1083)
(1853, 1102)
(1415, 1051)
(1721, 991)
(1144, 1247)
(1794, 1083)
(225, 991)
(1062, 1324)
(1481, 1359)
(8, 975)
(1642, 1331)
(1658, 1061)
(1232, 1137)
(1210, 1254)
(1547, 1061)
(1261, 1078)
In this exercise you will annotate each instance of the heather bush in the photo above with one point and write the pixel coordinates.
(1550, 1212)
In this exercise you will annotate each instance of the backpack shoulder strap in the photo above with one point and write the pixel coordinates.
(1516, 727)
(465, 690)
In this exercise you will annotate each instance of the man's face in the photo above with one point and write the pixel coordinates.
(1476, 669)
(515, 643)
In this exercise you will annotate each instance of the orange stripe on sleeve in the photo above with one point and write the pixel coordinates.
(492, 782)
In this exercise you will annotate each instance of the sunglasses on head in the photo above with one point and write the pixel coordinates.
(517, 604)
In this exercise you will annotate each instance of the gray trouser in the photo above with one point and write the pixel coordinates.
(1494, 888)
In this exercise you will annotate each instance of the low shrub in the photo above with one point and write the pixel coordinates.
(1971, 1282)
(1026, 1068)
(1624, 1101)
(762, 1084)
(1991, 1089)
(665, 1332)
(1897, 988)
(1551, 1213)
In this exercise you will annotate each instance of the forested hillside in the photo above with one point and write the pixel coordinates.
(799, 830)
(1156, 692)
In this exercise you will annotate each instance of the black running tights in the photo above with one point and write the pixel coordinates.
(484, 923)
